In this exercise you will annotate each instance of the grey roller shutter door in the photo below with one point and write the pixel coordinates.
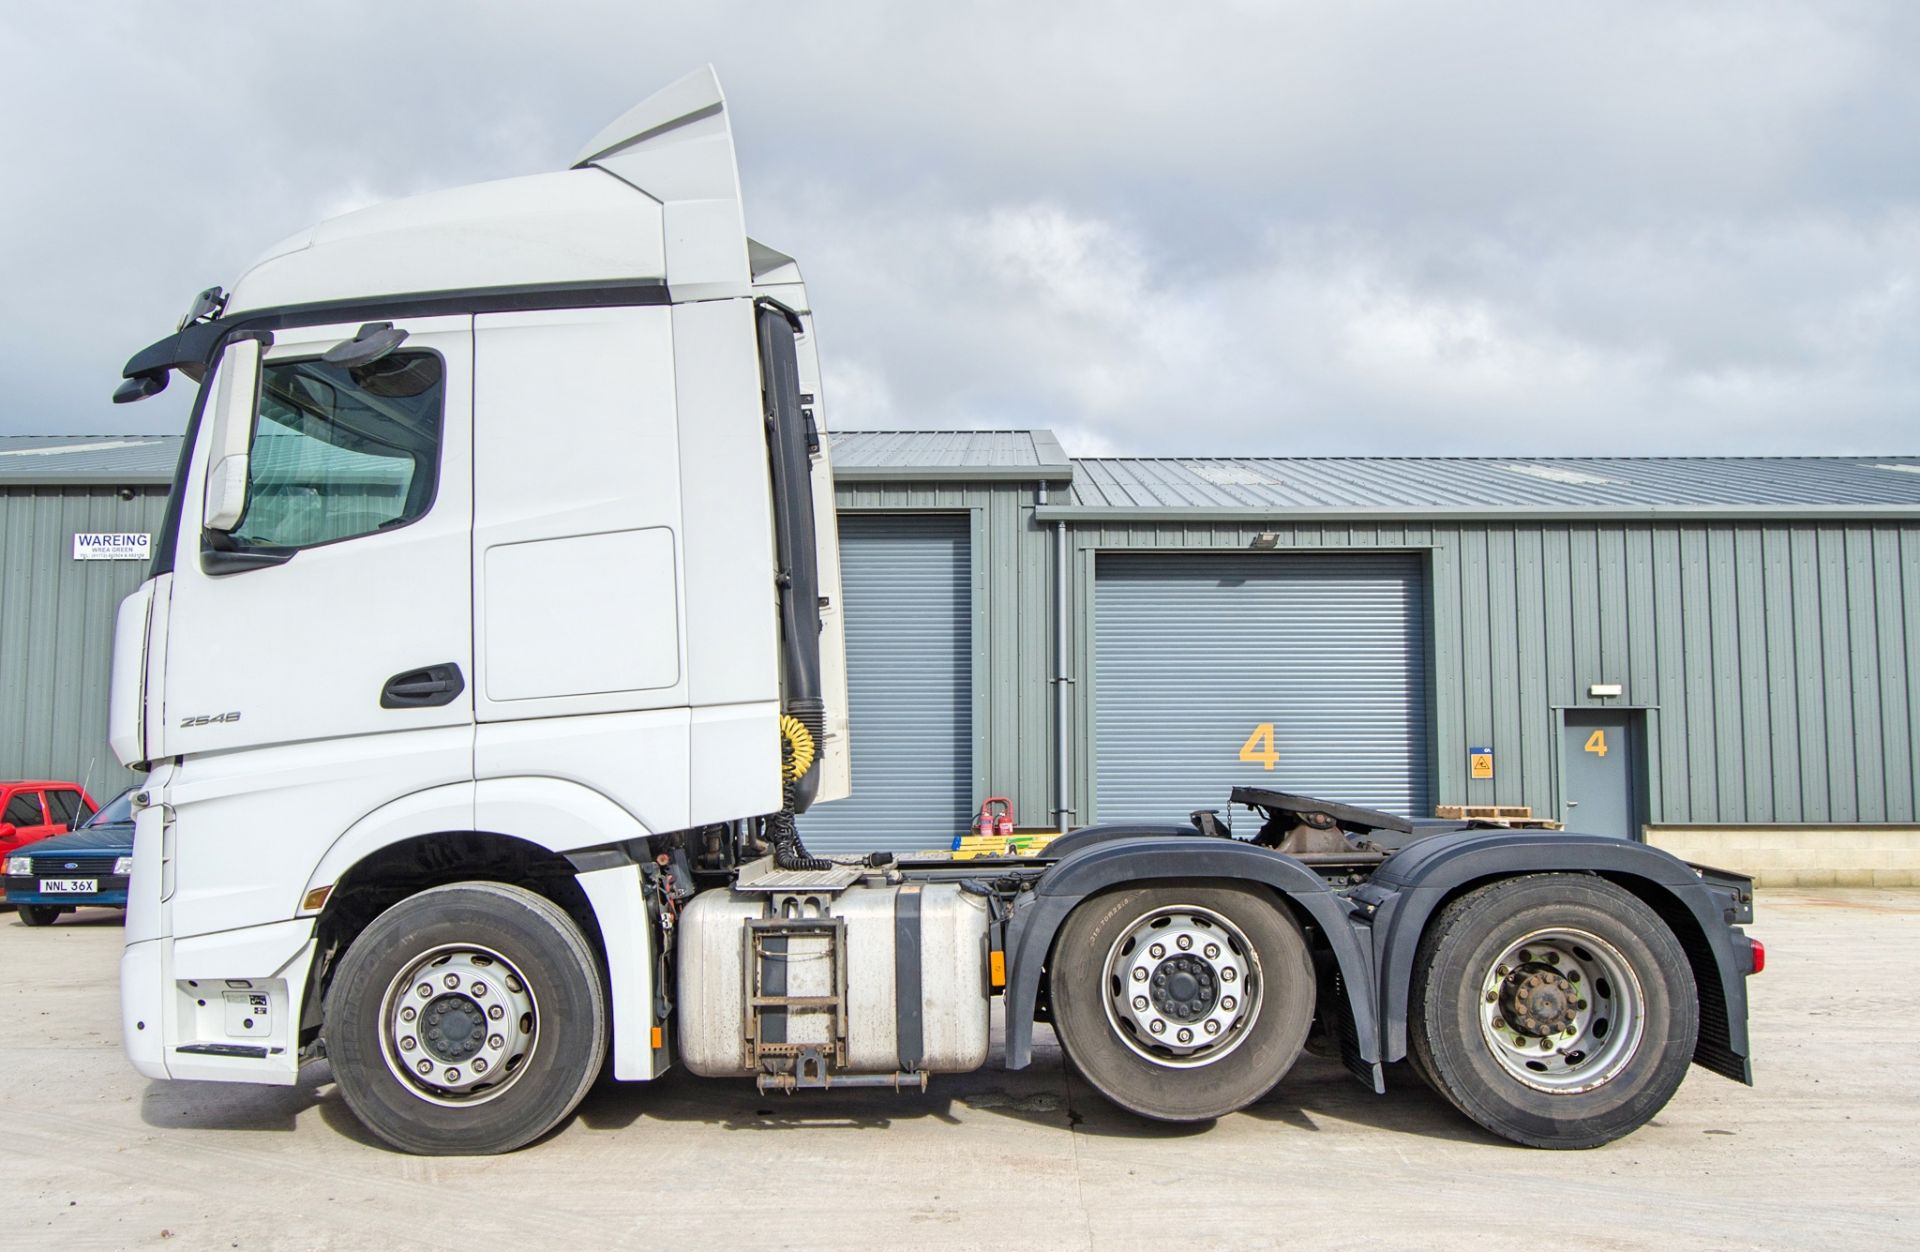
(906, 582)
(1193, 652)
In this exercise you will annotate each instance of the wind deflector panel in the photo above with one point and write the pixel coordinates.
(794, 540)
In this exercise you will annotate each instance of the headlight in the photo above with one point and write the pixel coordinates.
(19, 867)
(123, 867)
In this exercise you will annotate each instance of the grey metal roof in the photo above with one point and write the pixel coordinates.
(1237, 487)
(1506, 486)
(106, 460)
(907, 455)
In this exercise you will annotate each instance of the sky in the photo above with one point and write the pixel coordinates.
(1225, 229)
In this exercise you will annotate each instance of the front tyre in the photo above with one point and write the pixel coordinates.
(466, 1020)
(40, 914)
(1182, 1002)
(1556, 1010)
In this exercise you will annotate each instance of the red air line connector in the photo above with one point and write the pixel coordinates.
(1759, 955)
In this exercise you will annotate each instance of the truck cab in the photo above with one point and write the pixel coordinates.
(493, 643)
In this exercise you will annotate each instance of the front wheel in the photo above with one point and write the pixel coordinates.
(40, 914)
(1182, 1002)
(466, 1020)
(1556, 1010)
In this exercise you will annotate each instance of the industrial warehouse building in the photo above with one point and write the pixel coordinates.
(1719, 654)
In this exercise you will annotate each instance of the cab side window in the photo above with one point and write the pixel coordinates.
(24, 809)
(342, 451)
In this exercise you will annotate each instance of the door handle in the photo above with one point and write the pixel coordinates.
(426, 688)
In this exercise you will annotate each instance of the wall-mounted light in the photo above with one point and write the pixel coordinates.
(1265, 539)
(1605, 691)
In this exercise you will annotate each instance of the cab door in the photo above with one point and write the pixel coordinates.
(319, 642)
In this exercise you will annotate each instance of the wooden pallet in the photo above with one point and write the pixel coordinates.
(1515, 816)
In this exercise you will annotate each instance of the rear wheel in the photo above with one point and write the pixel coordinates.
(40, 914)
(1182, 1002)
(1555, 1010)
(466, 1020)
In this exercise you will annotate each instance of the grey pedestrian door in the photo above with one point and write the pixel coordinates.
(906, 584)
(1599, 751)
(1300, 672)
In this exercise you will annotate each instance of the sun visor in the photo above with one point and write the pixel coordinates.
(677, 147)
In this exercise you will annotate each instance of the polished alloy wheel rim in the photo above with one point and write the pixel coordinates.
(1561, 1010)
(1183, 986)
(458, 1025)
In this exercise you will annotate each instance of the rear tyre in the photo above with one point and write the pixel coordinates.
(1182, 1002)
(40, 914)
(466, 1020)
(1556, 1010)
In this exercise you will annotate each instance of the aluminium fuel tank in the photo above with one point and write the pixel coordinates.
(732, 942)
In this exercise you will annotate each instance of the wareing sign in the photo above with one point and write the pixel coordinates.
(105, 546)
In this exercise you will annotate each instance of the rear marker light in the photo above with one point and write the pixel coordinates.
(316, 899)
(1759, 955)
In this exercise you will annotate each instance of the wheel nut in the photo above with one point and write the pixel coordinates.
(479, 989)
(1213, 1028)
(1553, 958)
(1157, 1026)
(1525, 956)
(480, 1067)
(453, 1075)
(1157, 951)
(409, 1013)
(1213, 951)
(1139, 973)
(452, 981)
(424, 990)
(496, 1012)
(1185, 1036)
(425, 1066)
(496, 1043)
(1229, 1003)
(1501, 971)
(1184, 942)
(1493, 997)
(1228, 974)
(409, 1044)
(1546, 1044)
(1140, 1002)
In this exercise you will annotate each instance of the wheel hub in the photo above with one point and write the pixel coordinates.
(456, 1027)
(1538, 1002)
(1183, 986)
(1563, 1011)
(458, 1024)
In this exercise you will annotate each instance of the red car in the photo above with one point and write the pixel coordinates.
(32, 811)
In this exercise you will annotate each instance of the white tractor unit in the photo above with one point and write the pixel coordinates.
(494, 640)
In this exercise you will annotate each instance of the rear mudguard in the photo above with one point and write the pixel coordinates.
(1399, 900)
(1122, 859)
(1373, 932)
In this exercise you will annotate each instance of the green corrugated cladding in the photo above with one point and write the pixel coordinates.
(1777, 664)
(56, 629)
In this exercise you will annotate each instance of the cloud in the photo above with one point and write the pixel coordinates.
(1242, 228)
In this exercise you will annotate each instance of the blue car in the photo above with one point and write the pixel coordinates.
(89, 866)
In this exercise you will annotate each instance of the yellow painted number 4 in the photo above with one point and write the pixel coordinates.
(1259, 746)
(1597, 743)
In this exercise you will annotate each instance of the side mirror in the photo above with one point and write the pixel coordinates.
(139, 387)
(236, 394)
(8, 830)
(374, 340)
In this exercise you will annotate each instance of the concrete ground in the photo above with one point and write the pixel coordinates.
(1824, 1152)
